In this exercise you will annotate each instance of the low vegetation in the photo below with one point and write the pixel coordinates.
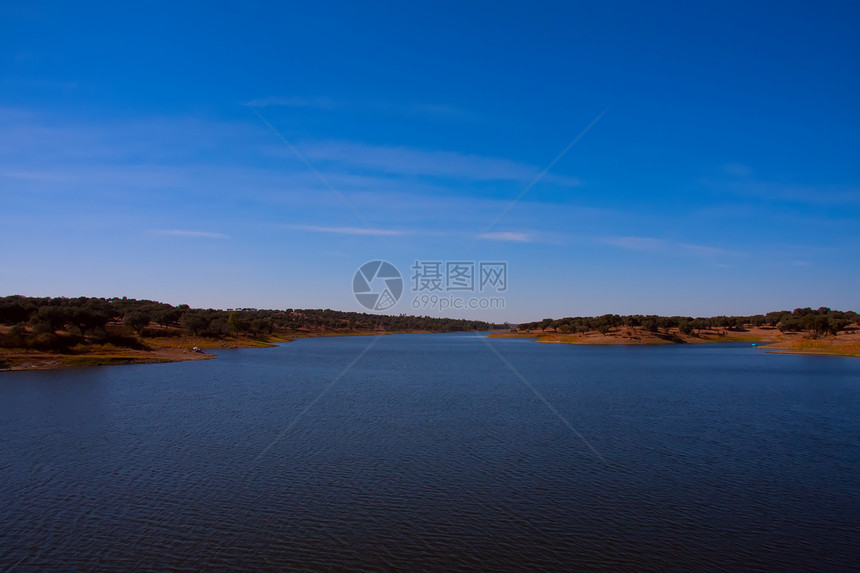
(803, 330)
(819, 322)
(111, 330)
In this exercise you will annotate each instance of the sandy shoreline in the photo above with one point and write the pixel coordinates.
(770, 339)
(179, 349)
(161, 350)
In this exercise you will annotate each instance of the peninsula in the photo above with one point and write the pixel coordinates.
(41, 333)
(801, 331)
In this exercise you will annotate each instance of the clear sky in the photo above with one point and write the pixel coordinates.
(723, 177)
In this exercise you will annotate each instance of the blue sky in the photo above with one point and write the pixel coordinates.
(723, 177)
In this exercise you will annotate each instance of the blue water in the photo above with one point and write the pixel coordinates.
(433, 452)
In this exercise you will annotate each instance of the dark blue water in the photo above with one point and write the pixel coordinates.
(431, 453)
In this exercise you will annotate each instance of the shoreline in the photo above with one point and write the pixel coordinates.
(771, 340)
(161, 351)
(180, 349)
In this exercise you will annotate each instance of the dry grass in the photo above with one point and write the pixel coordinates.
(844, 344)
(836, 345)
(47, 361)
(155, 350)
(178, 348)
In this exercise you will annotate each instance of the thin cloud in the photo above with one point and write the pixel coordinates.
(412, 109)
(343, 230)
(706, 250)
(737, 170)
(14, 114)
(635, 243)
(652, 244)
(739, 181)
(426, 111)
(401, 160)
(499, 236)
(190, 234)
(42, 176)
(825, 195)
(63, 85)
(507, 236)
(318, 103)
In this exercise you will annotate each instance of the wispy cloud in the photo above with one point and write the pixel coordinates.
(738, 179)
(40, 176)
(423, 110)
(189, 234)
(504, 236)
(402, 160)
(635, 243)
(343, 230)
(706, 250)
(652, 244)
(269, 101)
(426, 111)
(46, 84)
(737, 170)
(507, 236)
(129, 168)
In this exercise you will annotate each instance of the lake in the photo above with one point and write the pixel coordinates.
(436, 452)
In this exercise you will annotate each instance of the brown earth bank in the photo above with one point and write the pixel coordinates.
(172, 345)
(177, 346)
(56, 332)
(771, 339)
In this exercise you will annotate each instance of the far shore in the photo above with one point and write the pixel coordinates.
(770, 339)
(158, 350)
(181, 348)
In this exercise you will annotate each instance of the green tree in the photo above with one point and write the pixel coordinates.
(137, 320)
(789, 324)
(88, 318)
(54, 316)
(237, 323)
(218, 327)
(194, 322)
(167, 316)
(14, 312)
(261, 326)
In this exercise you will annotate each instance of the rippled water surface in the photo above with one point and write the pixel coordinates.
(431, 453)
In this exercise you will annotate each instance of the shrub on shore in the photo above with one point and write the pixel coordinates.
(58, 324)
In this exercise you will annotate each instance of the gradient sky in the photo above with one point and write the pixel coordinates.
(723, 177)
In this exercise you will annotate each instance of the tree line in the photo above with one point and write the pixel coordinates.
(817, 321)
(50, 323)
